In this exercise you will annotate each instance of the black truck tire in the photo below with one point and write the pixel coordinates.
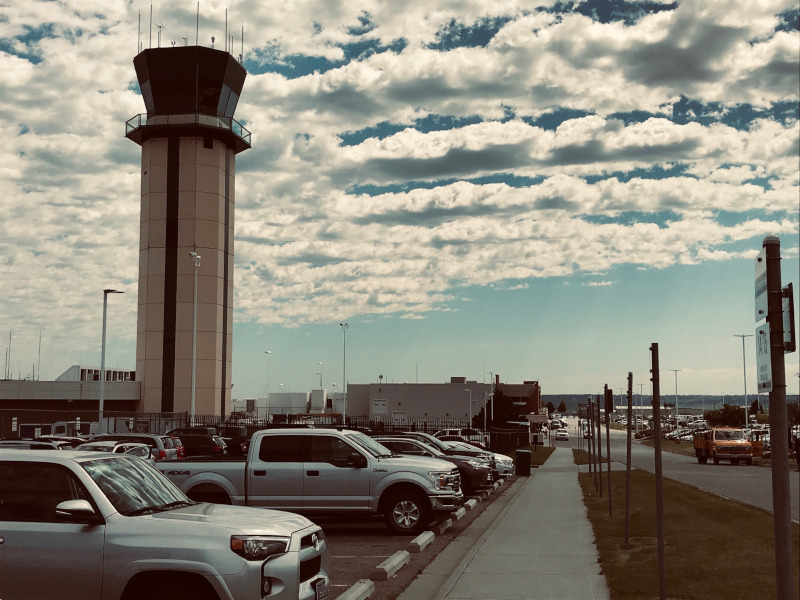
(407, 512)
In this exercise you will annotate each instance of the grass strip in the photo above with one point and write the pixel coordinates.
(715, 548)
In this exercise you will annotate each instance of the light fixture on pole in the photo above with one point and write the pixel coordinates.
(677, 412)
(470, 406)
(196, 262)
(744, 370)
(320, 374)
(344, 327)
(268, 353)
(103, 360)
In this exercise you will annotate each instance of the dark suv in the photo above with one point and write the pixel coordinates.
(198, 444)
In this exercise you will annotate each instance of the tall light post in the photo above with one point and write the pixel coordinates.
(103, 359)
(470, 406)
(677, 412)
(196, 262)
(320, 374)
(641, 408)
(269, 354)
(344, 327)
(744, 370)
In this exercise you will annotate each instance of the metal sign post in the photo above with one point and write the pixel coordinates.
(771, 342)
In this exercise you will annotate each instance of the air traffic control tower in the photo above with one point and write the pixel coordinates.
(189, 142)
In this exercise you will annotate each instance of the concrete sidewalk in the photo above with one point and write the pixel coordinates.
(539, 547)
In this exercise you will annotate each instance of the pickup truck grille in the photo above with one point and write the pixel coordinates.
(310, 568)
(455, 479)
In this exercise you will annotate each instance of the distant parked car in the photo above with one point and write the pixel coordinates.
(34, 445)
(119, 447)
(467, 433)
(74, 441)
(203, 445)
(162, 447)
(475, 474)
(562, 435)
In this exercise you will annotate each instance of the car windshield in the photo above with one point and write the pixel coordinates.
(730, 435)
(367, 443)
(134, 487)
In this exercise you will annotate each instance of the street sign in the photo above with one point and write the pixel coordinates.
(763, 359)
(787, 299)
(761, 285)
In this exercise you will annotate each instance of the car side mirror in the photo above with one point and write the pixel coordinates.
(357, 460)
(80, 511)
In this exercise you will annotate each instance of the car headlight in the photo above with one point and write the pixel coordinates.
(441, 480)
(259, 547)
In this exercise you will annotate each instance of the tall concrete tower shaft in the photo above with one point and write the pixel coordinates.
(189, 143)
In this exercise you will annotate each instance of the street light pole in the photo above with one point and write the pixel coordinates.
(744, 370)
(103, 359)
(677, 412)
(196, 262)
(269, 354)
(344, 327)
(320, 374)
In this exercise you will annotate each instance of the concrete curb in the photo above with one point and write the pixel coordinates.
(360, 590)
(458, 514)
(470, 504)
(391, 565)
(419, 543)
(443, 526)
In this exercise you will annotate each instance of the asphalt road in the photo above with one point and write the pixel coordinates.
(751, 485)
(358, 546)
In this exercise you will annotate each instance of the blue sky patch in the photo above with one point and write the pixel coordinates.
(609, 11)
(655, 172)
(509, 179)
(628, 218)
(459, 35)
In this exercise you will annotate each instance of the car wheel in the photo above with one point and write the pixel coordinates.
(407, 513)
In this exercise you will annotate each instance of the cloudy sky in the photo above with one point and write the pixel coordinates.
(535, 189)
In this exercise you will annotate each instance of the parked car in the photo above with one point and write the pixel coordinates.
(74, 441)
(505, 465)
(203, 445)
(325, 472)
(162, 447)
(194, 429)
(458, 438)
(475, 474)
(467, 433)
(119, 447)
(80, 525)
(448, 448)
(34, 445)
(562, 435)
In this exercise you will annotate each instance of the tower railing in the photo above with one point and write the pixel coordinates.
(219, 121)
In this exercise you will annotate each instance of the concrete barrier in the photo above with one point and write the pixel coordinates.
(443, 526)
(391, 565)
(360, 590)
(470, 504)
(458, 514)
(419, 543)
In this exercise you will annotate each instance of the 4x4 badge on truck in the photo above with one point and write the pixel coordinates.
(379, 470)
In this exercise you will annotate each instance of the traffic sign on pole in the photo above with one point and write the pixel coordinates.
(761, 285)
(763, 359)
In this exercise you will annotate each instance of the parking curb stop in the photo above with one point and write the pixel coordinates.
(470, 504)
(458, 514)
(391, 565)
(360, 590)
(443, 526)
(419, 543)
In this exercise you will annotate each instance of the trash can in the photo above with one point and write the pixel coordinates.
(523, 466)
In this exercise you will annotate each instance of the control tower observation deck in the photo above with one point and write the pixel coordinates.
(189, 142)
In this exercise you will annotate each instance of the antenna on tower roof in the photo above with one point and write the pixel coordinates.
(197, 26)
(151, 25)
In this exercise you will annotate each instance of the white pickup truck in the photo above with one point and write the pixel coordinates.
(325, 472)
(97, 526)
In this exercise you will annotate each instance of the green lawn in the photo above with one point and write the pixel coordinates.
(715, 548)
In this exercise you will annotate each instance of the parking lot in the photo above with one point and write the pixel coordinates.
(357, 547)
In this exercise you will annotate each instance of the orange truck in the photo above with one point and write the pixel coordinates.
(723, 443)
